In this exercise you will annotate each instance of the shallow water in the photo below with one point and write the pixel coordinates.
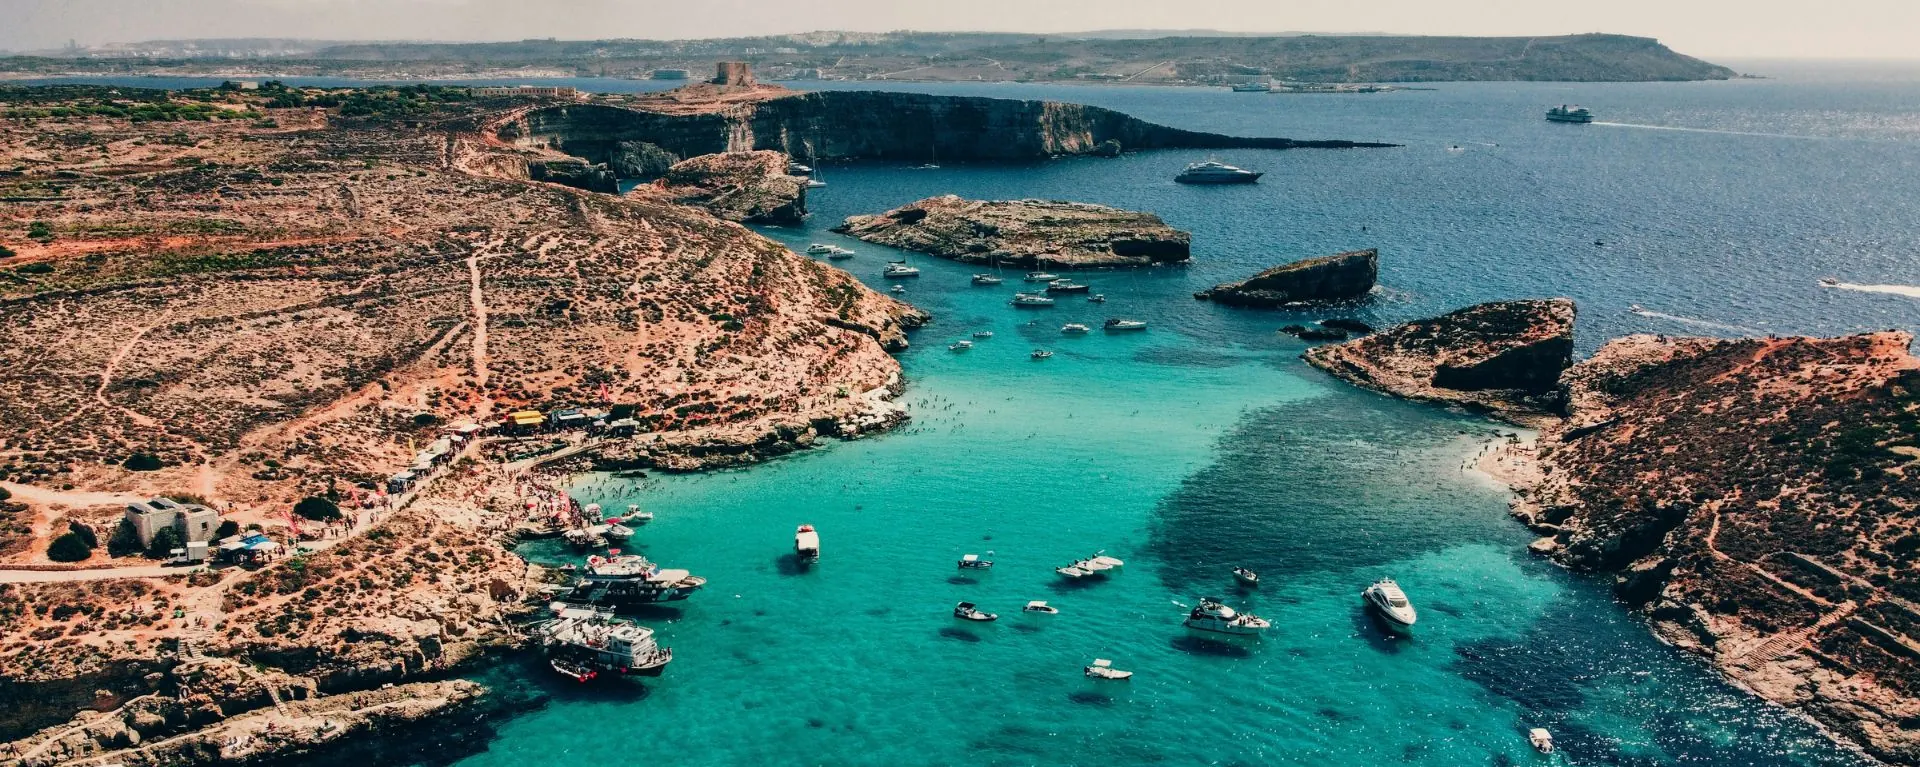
(1204, 443)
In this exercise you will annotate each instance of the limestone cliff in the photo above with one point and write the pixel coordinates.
(1024, 233)
(1504, 358)
(1339, 277)
(751, 187)
(835, 125)
(1757, 498)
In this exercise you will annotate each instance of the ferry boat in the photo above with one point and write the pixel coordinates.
(1103, 669)
(1038, 606)
(960, 345)
(1067, 286)
(1073, 328)
(986, 279)
(1261, 86)
(974, 562)
(1569, 114)
(1218, 618)
(631, 579)
(967, 611)
(1386, 598)
(1119, 324)
(806, 544)
(581, 642)
(1041, 277)
(1040, 354)
(1031, 299)
(899, 269)
(1216, 172)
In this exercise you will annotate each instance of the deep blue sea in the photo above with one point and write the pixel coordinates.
(1204, 443)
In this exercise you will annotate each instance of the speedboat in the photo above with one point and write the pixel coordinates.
(618, 533)
(1637, 309)
(899, 269)
(814, 183)
(1246, 577)
(1097, 298)
(1073, 327)
(1386, 598)
(1120, 324)
(1093, 565)
(1569, 114)
(1541, 739)
(983, 334)
(1215, 172)
(966, 611)
(1040, 354)
(1102, 558)
(1031, 299)
(897, 289)
(1213, 616)
(1041, 277)
(1072, 571)
(1829, 282)
(1038, 606)
(636, 516)
(840, 254)
(960, 345)
(578, 672)
(986, 279)
(1066, 286)
(806, 544)
(974, 562)
(1103, 669)
(796, 169)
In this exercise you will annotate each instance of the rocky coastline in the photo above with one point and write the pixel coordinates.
(1025, 233)
(1748, 496)
(748, 187)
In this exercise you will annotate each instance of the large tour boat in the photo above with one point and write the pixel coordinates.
(631, 579)
(1215, 172)
(582, 642)
(1569, 114)
(1218, 618)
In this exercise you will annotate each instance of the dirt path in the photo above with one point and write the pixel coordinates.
(478, 296)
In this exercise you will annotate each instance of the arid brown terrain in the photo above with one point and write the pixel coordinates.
(277, 302)
(1756, 498)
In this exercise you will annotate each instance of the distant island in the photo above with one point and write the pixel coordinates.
(1156, 58)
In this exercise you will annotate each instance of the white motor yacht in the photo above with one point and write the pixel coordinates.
(1031, 299)
(1038, 606)
(986, 279)
(1216, 617)
(1215, 172)
(1097, 298)
(1386, 598)
(1120, 324)
(1103, 669)
(1041, 277)
(636, 516)
(1073, 328)
(960, 345)
(806, 544)
(1040, 354)
(899, 269)
(1541, 739)
(1246, 577)
(974, 562)
(840, 254)
(967, 611)
(1067, 286)
(820, 249)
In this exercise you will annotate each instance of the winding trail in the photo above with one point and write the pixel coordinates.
(478, 296)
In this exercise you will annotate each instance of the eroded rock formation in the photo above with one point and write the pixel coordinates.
(1024, 233)
(751, 187)
(1504, 358)
(1339, 277)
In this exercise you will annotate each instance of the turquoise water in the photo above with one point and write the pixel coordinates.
(1204, 443)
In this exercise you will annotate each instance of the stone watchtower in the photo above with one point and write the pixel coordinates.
(733, 73)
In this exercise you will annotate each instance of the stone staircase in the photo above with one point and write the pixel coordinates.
(1789, 641)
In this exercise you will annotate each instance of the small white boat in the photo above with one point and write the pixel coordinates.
(1067, 286)
(967, 611)
(1102, 558)
(1218, 618)
(1041, 277)
(806, 543)
(1103, 669)
(618, 533)
(1038, 606)
(820, 249)
(1386, 598)
(1072, 571)
(840, 254)
(636, 516)
(1246, 577)
(1092, 565)
(899, 269)
(1040, 354)
(986, 279)
(983, 334)
(814, 183)
(1541, 739)
(1120, 324)
(1031, 299)
(897, 289)
(1073, 328)
(974, 562)
(960, 345)
(1097, 298)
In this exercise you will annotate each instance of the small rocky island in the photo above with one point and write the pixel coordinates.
(1025, 233)
(749, 187)
(1503, 357)
(1339, 277)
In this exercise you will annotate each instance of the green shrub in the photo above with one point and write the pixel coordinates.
(37, 267)
(69, 548)
(317, 508)
(125, 541)
(5, 494)
(227, 528)
(142, 462)
(6, 252)
(40, 230)
(424, 420)
(84, 531)
(165, 540)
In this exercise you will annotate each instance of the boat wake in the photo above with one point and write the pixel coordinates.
(1910, 291)
(1695, 321)
(1704, 130)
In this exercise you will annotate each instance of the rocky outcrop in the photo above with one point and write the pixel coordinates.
(832, 125)
(1339, 277)
(751, 187)
(1755, 498)
(574, 173)
(1024, 233)
(640, 160)
(1503, 358)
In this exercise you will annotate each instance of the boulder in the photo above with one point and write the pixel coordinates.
(1339, 277)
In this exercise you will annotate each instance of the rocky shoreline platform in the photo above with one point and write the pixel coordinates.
(1327, 279)
(1026, 234)
(1751, 497)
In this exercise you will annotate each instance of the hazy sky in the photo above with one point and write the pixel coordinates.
(1706, 28)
